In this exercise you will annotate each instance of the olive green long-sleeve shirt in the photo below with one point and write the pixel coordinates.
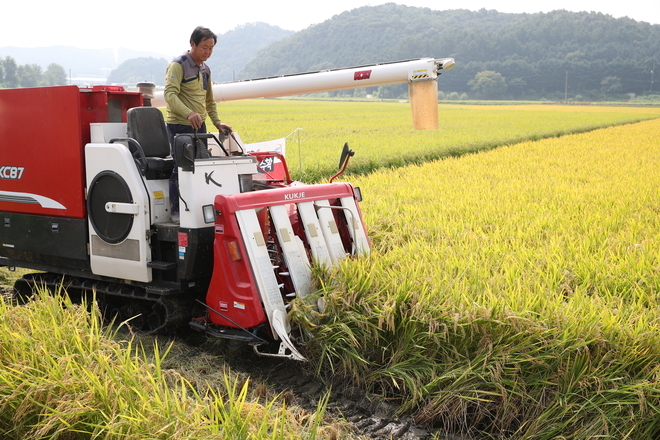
(188, 89)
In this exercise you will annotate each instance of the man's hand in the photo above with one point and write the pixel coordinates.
(195, 120)
(224, 129)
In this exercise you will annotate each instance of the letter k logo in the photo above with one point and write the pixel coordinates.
(208, 178)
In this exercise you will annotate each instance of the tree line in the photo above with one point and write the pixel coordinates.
(13, 75)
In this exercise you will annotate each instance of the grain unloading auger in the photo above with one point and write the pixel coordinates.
(86, 202)
(421, 75)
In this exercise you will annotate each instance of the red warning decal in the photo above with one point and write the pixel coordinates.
(183, 239)
(363, 74)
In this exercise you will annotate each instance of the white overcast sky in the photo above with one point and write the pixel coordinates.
(158, 26)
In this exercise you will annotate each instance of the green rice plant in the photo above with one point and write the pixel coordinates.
(65, 376)
(381, 133)
(510, 294)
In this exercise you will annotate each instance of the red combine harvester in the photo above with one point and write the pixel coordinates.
(85, 200)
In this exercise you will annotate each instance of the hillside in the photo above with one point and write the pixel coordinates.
(237, 47)
(535, 53)
(577, 55)
(234, 49)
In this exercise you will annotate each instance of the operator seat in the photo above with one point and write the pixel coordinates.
(147, 126)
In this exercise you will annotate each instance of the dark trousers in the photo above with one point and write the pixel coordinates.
(173, 130)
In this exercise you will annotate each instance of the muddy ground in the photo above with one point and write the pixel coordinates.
(372, 418)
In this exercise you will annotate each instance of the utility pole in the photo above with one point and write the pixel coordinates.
(651, 89)
(566, 89)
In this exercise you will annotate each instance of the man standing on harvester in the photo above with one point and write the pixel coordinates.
(189, 97)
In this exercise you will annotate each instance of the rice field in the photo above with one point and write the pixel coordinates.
(63, 375)
(382, 136)
(512, 294)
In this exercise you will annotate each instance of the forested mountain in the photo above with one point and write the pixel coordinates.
(538, 55)
(237, 47)
(135, 70)
(583, 56)
(232, 51)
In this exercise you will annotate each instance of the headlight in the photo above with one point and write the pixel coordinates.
(209, 213)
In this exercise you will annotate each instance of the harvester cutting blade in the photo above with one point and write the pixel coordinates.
(279, 325)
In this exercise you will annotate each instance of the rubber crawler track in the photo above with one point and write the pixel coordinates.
(147, 312)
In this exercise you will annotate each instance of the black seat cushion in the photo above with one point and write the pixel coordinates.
(147, 126)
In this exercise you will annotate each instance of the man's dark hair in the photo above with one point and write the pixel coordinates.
(201, 33)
